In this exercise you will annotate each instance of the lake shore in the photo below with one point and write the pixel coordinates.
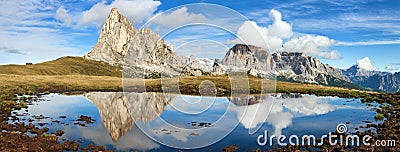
(36, 85)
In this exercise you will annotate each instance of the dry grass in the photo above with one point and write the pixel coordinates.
(72, 74)
(28, 84)
(64, 66)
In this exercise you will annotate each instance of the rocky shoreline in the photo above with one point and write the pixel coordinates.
(22, 135)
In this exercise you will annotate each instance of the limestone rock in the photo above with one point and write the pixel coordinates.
(245, 57)
(140, 49)
(288, 65)
(114, 40)
(299, 67)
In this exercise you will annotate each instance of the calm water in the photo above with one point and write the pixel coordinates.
(149, 121)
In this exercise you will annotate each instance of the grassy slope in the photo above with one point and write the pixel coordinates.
(64, 66)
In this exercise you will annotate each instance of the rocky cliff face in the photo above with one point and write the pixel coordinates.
(142, 49)
(248, 58)
(114, 40)
(299, 67)
(374, 80)
(290, 66)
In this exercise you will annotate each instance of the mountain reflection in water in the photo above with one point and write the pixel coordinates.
(119, 114)
(119, 111)
(157, 122)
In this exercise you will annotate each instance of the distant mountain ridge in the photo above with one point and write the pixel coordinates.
(373, 80)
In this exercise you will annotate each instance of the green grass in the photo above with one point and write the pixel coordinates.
(22, 104)
(64, 66)
(379, 116)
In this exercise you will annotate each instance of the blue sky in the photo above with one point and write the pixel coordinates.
(337, 32)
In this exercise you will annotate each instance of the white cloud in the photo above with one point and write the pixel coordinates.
(63, 15)
(281, 111)
(389, 67)
(279, 28)
(270, 37)
(369, 43)
(135, 10)
(29, 35)
(179, 17)
(273, 36)
(366, 64)
(392, 67)
(313, 45)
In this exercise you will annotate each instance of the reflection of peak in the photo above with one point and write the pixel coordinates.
(113, 112)
(279, 112)
(144, 107)
(119, 112)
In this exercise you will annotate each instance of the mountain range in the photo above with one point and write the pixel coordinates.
(143, 53)
(373, 80)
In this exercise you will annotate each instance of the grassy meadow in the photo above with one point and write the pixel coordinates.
(76, 74)
(64, 66)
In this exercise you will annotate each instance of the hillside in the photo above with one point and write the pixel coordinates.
(64, 66)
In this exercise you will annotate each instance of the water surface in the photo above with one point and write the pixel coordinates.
(149, 121)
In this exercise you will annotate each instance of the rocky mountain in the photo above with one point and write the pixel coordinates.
(285, 65)
(143, 53)
(356, 71)
(114, 40)
(373, 80)
(141, 50)
(299, 67)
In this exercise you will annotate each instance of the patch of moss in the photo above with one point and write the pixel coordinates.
(46, 135)
(379, 116)
(23, 104)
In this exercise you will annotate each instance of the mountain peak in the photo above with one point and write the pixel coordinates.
(114, 40)
(114, 11)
